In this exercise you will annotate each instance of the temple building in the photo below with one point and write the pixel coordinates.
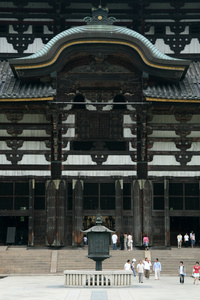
(99, 113)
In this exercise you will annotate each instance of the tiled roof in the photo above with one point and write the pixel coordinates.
(110, 29)
(187, 88)
(12, 88)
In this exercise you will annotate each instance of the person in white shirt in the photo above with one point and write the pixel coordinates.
(186, 240)
(140, 270)
(182, 271)
(147, 267)
(114, 241)
(127, 266)
(179, 240)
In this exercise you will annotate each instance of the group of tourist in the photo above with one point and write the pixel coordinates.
(195, 272)
(126, 241)
(187, 240)
(143, 268)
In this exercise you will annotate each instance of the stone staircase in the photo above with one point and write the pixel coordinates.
(23, 260)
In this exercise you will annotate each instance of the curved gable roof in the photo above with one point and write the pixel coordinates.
(48, 58)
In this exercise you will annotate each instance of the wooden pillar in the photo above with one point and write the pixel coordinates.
(61, 213)
(77, 235)
(55, 194)
(31, 213)
(51, 212)
(119, 207)
(167, 217)
(137, 214)
(147, 210)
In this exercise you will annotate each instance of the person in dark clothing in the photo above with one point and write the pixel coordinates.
(122, 241)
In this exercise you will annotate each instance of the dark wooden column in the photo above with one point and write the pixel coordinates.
(119, 207)
(137, 214)
(147, 210)
(55, 192)
(31, 212)
(167, 217)
(51, 212)
(61, 213)
(77, 213)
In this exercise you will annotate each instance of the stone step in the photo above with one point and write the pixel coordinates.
(44, 261)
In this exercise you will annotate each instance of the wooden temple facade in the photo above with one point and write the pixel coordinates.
(99, 120)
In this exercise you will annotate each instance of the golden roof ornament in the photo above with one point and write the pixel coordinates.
(99, 17)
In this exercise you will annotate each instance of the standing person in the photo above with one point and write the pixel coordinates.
(127, 266)
(114, 241)
(147, 267)
(181, 272)
(179, 240)
(192, 240)
(125, 241)
(146, 242)
(130, 242)
(133, 266)
(186, 240)
(122, 241)
(140, 270)
(157, 269)
(85, 240)
(196, 270)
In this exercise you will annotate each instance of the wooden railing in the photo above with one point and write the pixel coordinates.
(98, 278)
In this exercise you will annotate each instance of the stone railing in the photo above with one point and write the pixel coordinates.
(98, 278)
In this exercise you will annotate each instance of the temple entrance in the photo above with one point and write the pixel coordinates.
(21, 225)
(108, 221)
(183, 225)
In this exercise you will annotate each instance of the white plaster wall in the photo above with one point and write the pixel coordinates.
(26, 146)
(119, 160)
(25, 173)
(195, 161)
(162, 146)
(160, 45)
(168, 160)
(158, 133)
(70, 133)
(32, 133)
(174, 173)
(87, 160)
(193, 47)
(195, 146)
(79, 160)
(194, 134)
(33, 160)
(35, 46)
(194, 119)
(34, 146)
(99, 173)
(127, 133)
(163, 119)
(33, 118)
(127, 119)
(70, 120)
(5, 47)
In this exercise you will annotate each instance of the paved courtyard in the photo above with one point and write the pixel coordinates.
(52, 288)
